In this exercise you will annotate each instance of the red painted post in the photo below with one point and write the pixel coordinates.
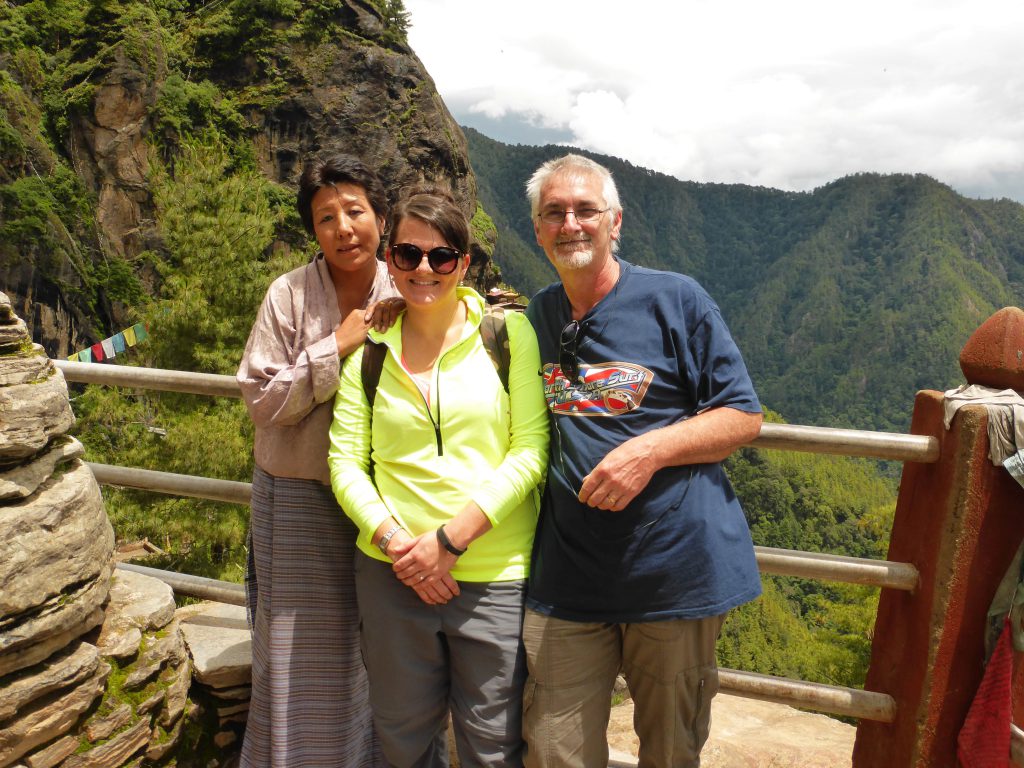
(960, 522)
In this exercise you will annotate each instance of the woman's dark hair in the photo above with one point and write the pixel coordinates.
(332, 168)
(434, 206)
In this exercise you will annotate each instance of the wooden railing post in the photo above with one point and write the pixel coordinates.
(960, 521)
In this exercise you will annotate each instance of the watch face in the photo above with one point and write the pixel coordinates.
(382, 543)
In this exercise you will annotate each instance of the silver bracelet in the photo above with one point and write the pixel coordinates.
(383, 541)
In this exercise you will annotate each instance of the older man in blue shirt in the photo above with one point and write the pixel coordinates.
(642, 547)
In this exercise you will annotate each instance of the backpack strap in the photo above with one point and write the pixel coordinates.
(372, 364)
(494, 334)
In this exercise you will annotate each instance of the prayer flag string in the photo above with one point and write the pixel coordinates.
(112, 346)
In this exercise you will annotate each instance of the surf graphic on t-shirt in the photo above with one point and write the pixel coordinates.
(606, 389)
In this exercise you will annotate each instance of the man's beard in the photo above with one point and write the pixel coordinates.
(578, 258)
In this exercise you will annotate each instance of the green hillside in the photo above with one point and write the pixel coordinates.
(845, 300)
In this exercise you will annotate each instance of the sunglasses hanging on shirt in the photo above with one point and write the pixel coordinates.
(567, 343)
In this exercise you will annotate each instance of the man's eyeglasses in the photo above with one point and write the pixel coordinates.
(567, 344)
(407, 257)
(583, 215)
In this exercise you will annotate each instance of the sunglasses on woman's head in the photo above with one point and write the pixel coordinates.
(407, 257)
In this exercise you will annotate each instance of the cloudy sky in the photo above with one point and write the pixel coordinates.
(786, 94)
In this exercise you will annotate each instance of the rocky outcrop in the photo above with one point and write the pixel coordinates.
(60, 534)
(109, 150)
(362, 90)
(144, 605)
(52, 717)
(13, 335)
(62, 669)
(93, 667)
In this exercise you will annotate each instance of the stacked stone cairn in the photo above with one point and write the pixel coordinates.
(94, 672)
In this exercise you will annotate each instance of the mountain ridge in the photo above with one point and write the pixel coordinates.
(845, 300)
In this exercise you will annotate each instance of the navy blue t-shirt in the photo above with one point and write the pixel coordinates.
(653, 352)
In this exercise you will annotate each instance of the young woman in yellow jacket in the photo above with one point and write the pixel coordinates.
(441, 478)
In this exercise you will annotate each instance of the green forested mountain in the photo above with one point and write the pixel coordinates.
(845, 300)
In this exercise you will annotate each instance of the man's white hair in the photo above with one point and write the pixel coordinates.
(575, 166)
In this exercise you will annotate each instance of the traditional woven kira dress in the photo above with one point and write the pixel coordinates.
(309, 693)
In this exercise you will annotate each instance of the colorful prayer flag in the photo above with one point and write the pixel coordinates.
(140, 332)
(129, 336)
(97, 353)
(118, 341)
(73, 358)
(85, 355)
(108, 348)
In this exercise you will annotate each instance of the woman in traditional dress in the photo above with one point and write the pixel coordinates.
(309, 690)
(441, 475)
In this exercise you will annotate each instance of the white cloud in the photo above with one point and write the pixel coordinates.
(791, 94)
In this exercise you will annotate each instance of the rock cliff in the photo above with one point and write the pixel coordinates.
(137, 81)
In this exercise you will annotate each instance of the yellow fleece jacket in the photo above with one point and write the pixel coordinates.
(489, 446)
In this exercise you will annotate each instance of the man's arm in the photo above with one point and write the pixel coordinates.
(708, 437)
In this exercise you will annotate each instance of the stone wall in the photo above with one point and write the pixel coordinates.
(94, 671)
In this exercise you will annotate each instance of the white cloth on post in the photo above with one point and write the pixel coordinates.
(1005, 422)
